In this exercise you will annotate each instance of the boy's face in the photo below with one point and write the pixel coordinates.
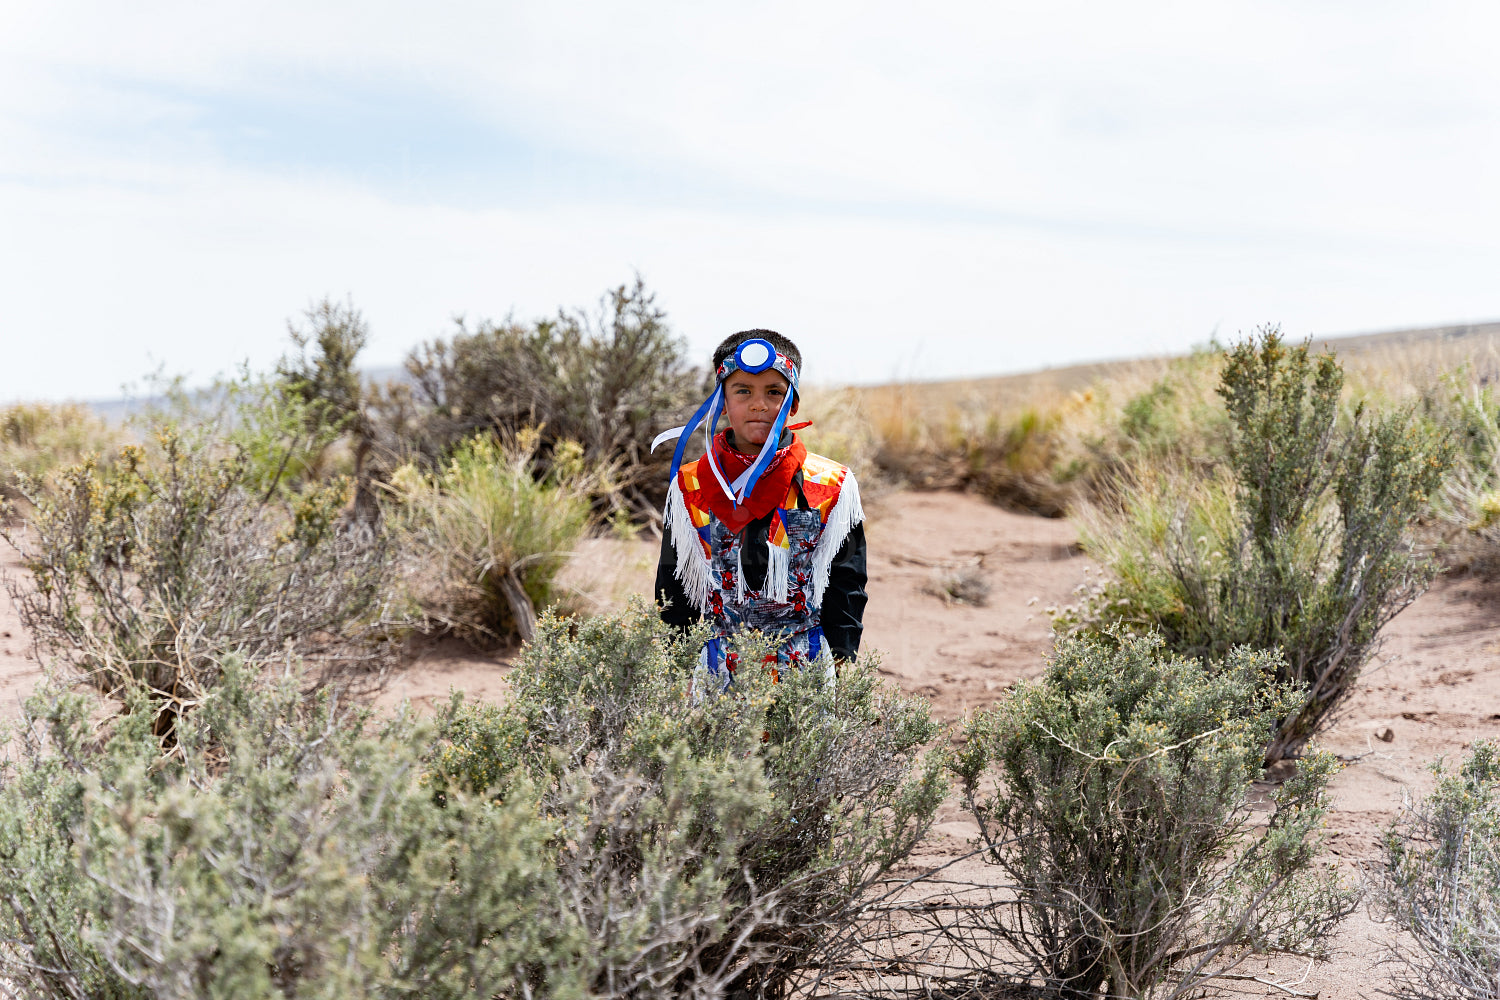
(751, 402)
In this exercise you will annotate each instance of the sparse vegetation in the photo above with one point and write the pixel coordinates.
(1469, 503)
(965, 584)
(841, 428)
(1441, 884)
(150, 571)
(1041, 451)
(707, 845)
(1120, 812)
(611, 830)
(1301, 545)
(606, 833)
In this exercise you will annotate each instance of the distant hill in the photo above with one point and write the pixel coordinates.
(117, 411)
(1479, 335)
(1451, 345)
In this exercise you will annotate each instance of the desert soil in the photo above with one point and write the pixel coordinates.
(1433, 689)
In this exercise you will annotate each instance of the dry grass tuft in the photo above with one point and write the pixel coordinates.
(37, 438)
(489, 534)
(960, 585)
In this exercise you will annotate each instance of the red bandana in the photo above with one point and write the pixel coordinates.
(770, 490)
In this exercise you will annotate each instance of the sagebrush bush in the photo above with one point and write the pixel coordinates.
(50, 906)
(286, 847)
(490, 531)
(150, 571)
(322, 381)
(609, 380)
(608, 834)
(1300, 544)
(1441, 884)
(708, 845)
(1115, 793)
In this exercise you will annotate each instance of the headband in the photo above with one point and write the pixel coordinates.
(753, 356)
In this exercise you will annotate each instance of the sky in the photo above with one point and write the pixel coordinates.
(909, 191)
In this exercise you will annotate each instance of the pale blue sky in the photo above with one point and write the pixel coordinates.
(951, 190)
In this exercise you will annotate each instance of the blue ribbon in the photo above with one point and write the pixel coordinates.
(718, 663)
(692, 424)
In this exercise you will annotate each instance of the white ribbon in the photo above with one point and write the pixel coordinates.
(665, 436)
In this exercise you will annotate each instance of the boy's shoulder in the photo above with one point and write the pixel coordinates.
(824, 471)
(829, 486)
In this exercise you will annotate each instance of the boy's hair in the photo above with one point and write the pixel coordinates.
(782, 345)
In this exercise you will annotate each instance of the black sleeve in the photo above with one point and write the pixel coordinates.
(670, 597)
(844, 600)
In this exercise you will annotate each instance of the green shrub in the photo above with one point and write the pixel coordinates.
(281, 440)
(607, 834)
(490, 531)
(707, 844)
(48, 905)
(152, 570)
(1177, 424)
(1441, 884)
(609, 380)
(286, 847)
(1120, 811)
(322, 381)
(1301, 545)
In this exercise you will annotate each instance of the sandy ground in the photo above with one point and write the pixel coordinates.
(19, 673)
(1433, 689)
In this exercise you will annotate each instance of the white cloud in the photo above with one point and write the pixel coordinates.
(969, 188)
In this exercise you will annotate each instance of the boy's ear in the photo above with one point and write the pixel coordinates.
(796, 405)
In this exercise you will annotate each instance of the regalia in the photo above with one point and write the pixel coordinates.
(808, 525)
(720, 507)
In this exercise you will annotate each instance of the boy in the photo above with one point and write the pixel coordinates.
(758, 533)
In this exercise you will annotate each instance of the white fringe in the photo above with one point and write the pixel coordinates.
(739, 573)
(778, 572)
(692, 567)
(846, 513)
